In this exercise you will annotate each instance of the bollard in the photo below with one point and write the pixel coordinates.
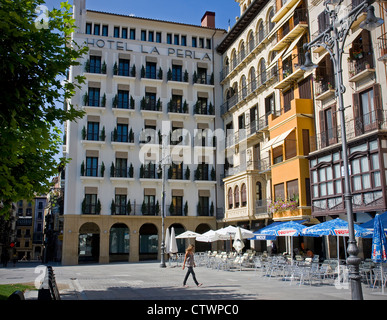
(16, 296)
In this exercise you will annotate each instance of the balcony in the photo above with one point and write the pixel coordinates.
(121, 174)
(122, 140)
(93, 139)
(361, 69)
(151, 107)
(287, 34)
(257, 84)
(94, 105)
(289, 76)
(324, 87)
(365, 123)
(287, 5)
(92, 173)
(123, 105)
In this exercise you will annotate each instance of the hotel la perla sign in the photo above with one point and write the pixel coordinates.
(125, 46)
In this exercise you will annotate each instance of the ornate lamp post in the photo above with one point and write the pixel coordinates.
(333, 40)
(164, 162)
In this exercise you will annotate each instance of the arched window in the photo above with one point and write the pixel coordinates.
(236, 197)
(252, 79)
(262, 70)
(243, 195)
(243, 87)
(233, 59)
(230, 198)
(251, 41)
(242, 51)
(261, 33)
(270, 17)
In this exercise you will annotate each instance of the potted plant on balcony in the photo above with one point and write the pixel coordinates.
(160, 74)
(83, 168)
(112, 171)
(131, 170)
(169, 74)
(128, 207)
(98, 207)
(185, 76)
(102, 136)
(133, 72)
(142, 71)
(115, 69)
(113, 207)
(102, 169)
(186, 209)
(83, 133)
(103, 101)
(187, 173)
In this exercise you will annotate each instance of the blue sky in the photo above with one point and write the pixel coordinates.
(185, 11)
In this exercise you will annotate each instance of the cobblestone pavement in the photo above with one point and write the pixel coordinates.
(147, 281)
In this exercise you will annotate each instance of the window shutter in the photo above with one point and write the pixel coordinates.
(378, 104)
(334, 123)
(323, 134)
(357, 114)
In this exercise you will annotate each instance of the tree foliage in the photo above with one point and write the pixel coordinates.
(35, 58)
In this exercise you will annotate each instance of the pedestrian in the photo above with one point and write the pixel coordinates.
(189, 259)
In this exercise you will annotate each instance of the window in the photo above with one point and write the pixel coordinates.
(177, 203)
(132, 34)
(150, 70)
(177, 73)
(278, 155)
(143, 35)
(94, 94)
(123, 67)
(194, 42)
(151, 36)
(208, 46)
(95, 64)
(90, 204)
(149, 170)
(292, 189)
(169, 38)
(236, 197)
(93, 131)
(97, 30)
(176, 104)
(203, 206)
(184, 41)
(243, 195)
(368, 108)
(158, 37)
(176, 38)
(105, 30)
(288, 96)
(150, 101)
(120, 202)
(201, 106)
(88, 28)
(279, 192)
(202, 76)
(121, 166)
(91, 166)
(201, 42)
(122, 132)
(361, 177)
(202, 172)
(124, 33)
(229, 197)
(123, 99)
(176, 171)
(149, 205)
(116, 32)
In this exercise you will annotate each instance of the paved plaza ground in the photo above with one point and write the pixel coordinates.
(147, 281)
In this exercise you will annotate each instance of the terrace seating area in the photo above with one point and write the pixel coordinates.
(300, 271)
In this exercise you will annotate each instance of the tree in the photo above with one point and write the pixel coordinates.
(35, 58)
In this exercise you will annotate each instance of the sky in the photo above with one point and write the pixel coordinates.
(184, 11)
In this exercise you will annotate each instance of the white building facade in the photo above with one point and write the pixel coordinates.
(149, 96)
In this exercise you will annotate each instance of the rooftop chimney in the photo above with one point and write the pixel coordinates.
(208, 20)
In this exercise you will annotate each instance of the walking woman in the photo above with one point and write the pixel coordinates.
(189, 259)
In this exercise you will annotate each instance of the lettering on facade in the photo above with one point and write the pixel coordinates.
(124, 46)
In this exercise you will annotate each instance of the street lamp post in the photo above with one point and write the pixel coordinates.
(333, 40)
(164, 163)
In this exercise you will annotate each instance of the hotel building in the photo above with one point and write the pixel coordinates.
(151, 90)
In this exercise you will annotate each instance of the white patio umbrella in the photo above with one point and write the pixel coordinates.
(230, 232)
(173, 244)
(167, 241)
(188, 235)
(238, 241)
(209, 236)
